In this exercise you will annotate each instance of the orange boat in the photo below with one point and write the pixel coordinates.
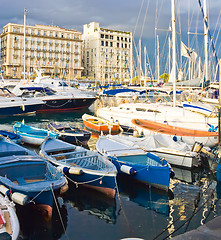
(99, 125)
(188, 135)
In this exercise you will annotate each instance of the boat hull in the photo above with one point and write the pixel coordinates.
(158, 177)
(32, 135)
(99, 125)
(104, 184)
(189, 136)
(19, 110)
(65, 105)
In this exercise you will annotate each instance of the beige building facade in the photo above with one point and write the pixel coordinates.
(107, 54)
(54, 49)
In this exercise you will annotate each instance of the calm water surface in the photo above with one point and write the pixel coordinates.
(137, 210)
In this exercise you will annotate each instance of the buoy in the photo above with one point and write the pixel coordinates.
(20, 198)
(4, 190)
(75, 171)
(128, 170)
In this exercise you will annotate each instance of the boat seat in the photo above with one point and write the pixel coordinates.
(80, 163)
(21, 181)
(68, 153)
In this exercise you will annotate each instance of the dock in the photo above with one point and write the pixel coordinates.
(210, 230)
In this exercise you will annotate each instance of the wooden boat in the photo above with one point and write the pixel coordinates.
(32, 135)
(12, 136)
(81, 166)
(99, 125)
(176, 153)
(27, 178)
(70, 134)
(138, 165)
(9, 224)
(189, 136)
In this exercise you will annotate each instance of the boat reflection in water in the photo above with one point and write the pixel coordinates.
(188, 176)
(91, 201)
(33, 225)
(141, 194)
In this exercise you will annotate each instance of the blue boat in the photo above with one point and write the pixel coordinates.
(70, 134)
(81, 166)
(136, 163)
(12, 136)
(27, 178)
(32, 135)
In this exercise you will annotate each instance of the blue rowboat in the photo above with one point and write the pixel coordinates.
(27, 178)
(81, 166)
(146, 168)
(137, 164)
(70, 134)
(32, 135)
(12, 136)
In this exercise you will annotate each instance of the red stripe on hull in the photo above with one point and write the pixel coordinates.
(60, 110)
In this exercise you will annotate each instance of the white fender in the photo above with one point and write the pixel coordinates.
(128, 170)
(19, 198)
(3, 190)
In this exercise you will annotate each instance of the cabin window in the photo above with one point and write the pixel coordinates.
(141, 109)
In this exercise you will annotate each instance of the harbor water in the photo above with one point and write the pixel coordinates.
(137, 211)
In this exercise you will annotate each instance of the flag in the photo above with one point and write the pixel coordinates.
(188, 53)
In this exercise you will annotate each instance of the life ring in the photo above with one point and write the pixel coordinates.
(158, 100)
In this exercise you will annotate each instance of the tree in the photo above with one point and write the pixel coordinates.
(164, 77)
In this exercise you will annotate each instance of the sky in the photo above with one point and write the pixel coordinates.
(141, 17)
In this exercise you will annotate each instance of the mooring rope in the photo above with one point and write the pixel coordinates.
(62, 223)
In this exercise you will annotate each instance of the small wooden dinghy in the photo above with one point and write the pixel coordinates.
(32, 135)
(81, 166)
(27, 178)
(137, 164)
(12, 136)
(70, 134)
(189, 136)
(99, 125)
(9, 224)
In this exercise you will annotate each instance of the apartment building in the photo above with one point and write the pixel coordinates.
(107, 54)
(56, 50)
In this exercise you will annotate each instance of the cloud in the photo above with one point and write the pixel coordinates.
(119, 15)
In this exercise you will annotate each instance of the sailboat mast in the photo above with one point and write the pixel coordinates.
(206, 41)
(158, 60)
(25, 11)
(173, 50)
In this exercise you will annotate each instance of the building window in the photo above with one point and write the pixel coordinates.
(111, 44)
(39, 33)
(106, 44)
(106, 36)
(111, 37)
(45, 34)
(118, 45)
(125, 39)
(125, 45)
(102, 35)
(118, 38)
(102, 43)
(122, 38)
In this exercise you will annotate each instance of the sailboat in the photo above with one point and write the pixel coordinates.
(172, 114)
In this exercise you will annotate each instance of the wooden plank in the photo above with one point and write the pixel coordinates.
(8, 222)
